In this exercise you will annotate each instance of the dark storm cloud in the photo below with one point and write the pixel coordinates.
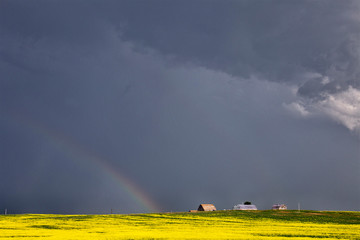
(276, 40)
(172, 94)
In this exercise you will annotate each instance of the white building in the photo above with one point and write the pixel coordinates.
(244, 207)
(279, 207)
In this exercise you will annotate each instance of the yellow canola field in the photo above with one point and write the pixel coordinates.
(168, 226)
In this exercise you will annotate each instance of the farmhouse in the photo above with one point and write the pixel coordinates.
(206, 207)
(245, 206)
(279, 207)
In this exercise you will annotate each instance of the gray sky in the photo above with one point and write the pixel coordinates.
(126, 105)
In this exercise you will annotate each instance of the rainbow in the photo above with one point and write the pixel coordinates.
(77, 151)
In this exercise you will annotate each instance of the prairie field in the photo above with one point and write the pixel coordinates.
(200, 225)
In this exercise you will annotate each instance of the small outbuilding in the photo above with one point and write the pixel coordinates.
(279, 207)
(206, 207)
(245, 206)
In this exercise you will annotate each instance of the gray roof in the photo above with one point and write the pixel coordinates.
(244, 207)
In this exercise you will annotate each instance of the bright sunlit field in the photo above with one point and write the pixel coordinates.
(201, 225)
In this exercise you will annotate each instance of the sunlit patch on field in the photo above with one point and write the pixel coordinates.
(205, 225)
